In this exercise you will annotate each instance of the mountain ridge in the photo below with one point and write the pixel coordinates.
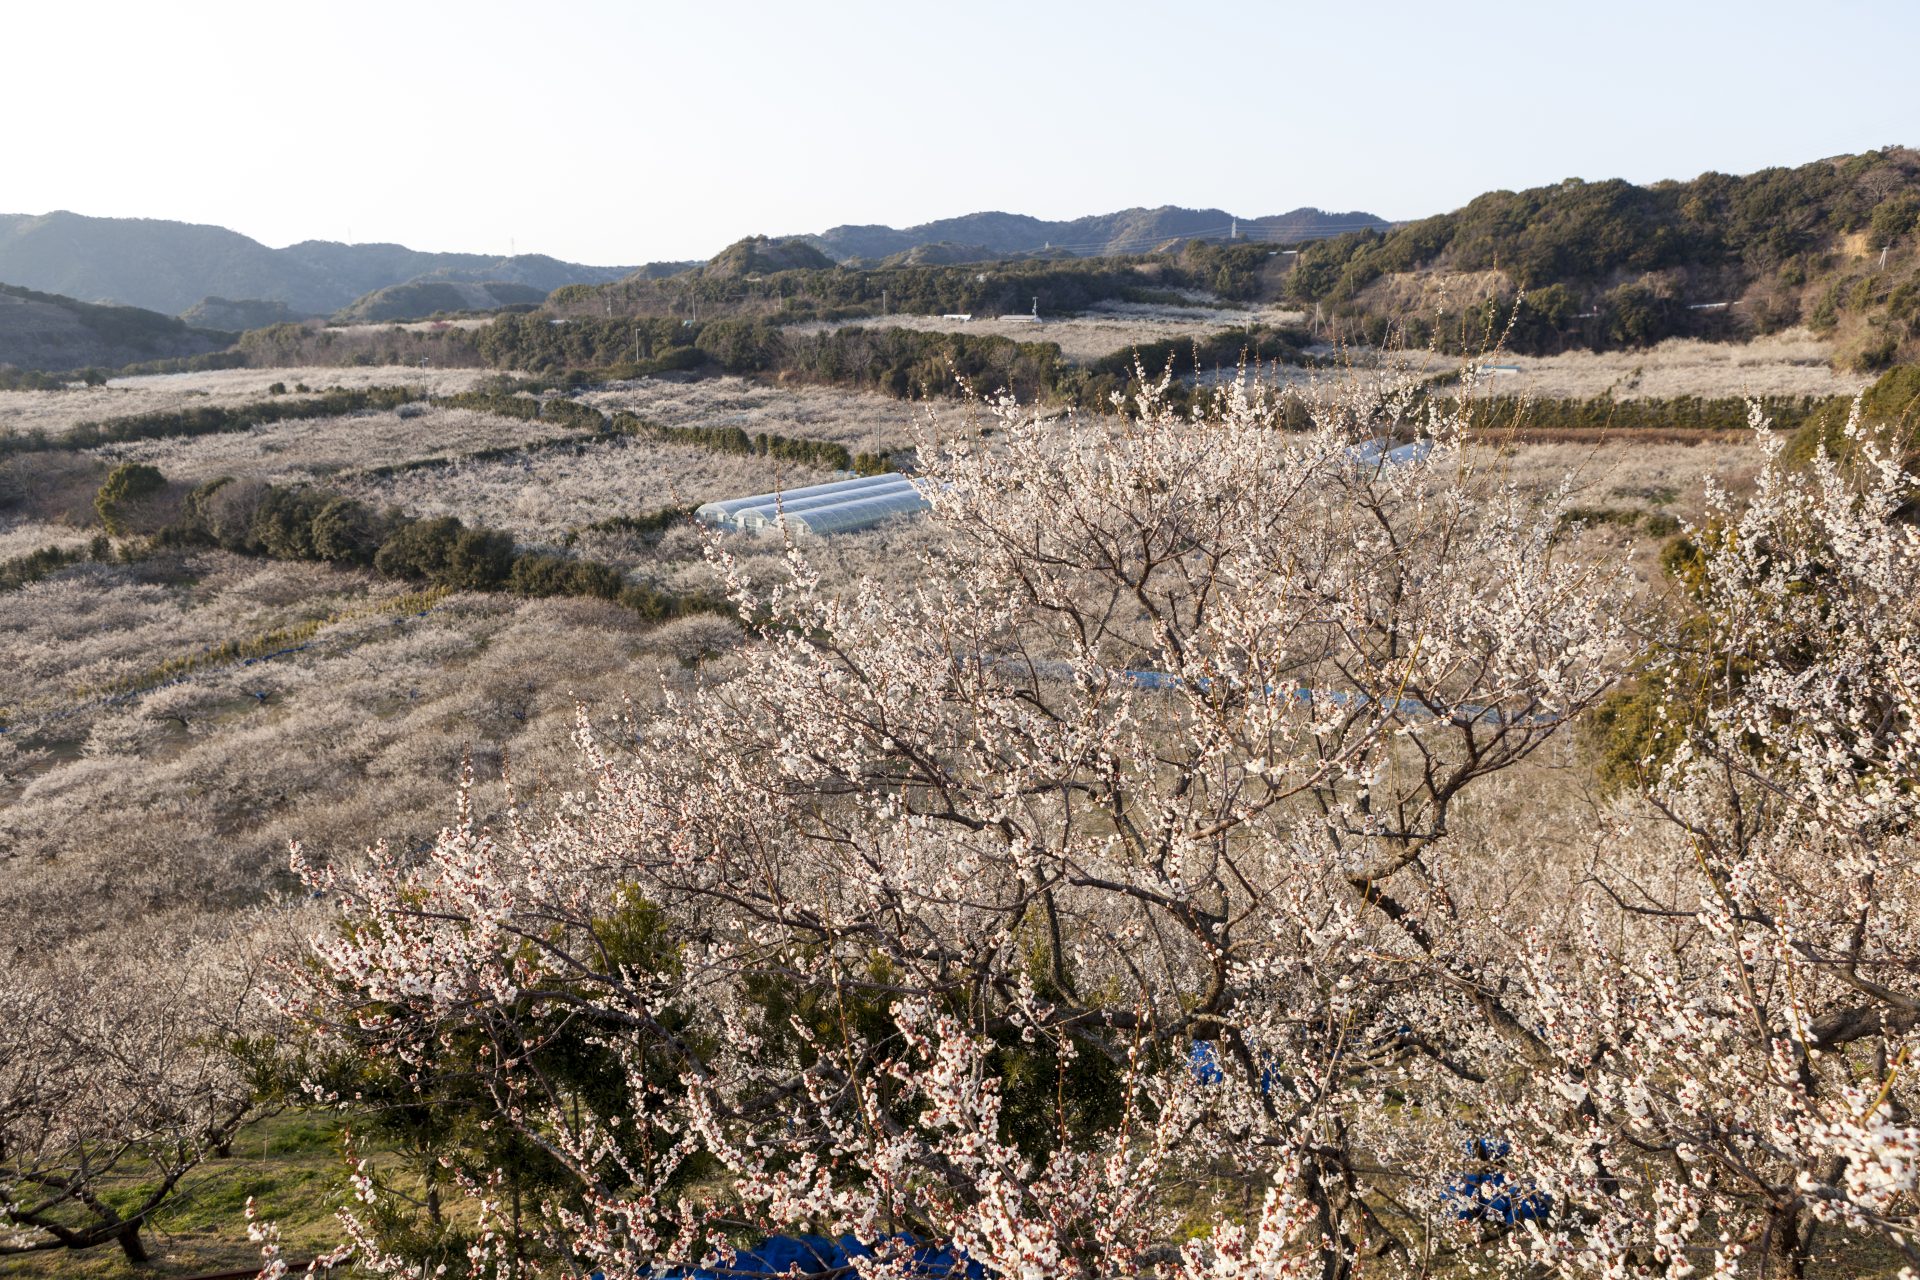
(1132, 230)
(163, 265)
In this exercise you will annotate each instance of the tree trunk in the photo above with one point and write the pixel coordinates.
(1788, 1254)
(128, 1237)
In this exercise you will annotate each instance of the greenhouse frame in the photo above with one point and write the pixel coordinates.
(839, 507)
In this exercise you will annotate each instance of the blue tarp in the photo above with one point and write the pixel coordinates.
(1204, 1061)
(817, 1255)
(1488, 1196)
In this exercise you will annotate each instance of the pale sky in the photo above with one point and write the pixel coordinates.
(608, 132)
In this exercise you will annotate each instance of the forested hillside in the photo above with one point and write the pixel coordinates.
(988, 235)
(46, 331)
(1830, 244)
(422, 298)
(788, 280)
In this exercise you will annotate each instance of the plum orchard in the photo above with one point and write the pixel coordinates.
(916, 923)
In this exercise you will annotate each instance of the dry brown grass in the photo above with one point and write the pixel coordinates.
(539, 496)
(1790, 363)
(19, 537)
(1421, 293)
(416, 326)
(861, 420)
(175, 804)
(311, 448)
(52, 411)
(1624, 479)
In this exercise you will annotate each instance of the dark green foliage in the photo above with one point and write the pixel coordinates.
(12, 379)
(233, 359)
(283, 523)
(1589, 231)
(1636, 255)
(909, 363)
(307, 523)
(1636, 729)
(48, 331)
(1685, 413)
(281, 345)
(571, 413)
(440, 1122)
(827, 454)
(346, 532)
(645, 526)
(35, 565)
(501, 402)
(1890, 409)
(1232, 271)
(126, 484)
(757, 255)
(422, 299)
(445, 552)
(1043, 1097)
(1639, 316)
(1658, 524)
(540, 575)
(842, 293)
(740, 346)
(541, 344)
(657, 605)
(1894, 220)
(1222, 350)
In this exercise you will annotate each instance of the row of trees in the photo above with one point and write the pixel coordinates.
(308, 523)
(203, 420)
(1685, 413)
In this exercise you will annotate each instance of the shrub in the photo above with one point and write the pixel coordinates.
(128, 484)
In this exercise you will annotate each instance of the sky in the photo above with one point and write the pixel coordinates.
(619, 133)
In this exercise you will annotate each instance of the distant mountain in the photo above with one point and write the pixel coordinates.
(237, 314)
(757, 255)
(170, 266)
(418, 299)
(49, 332)
(1128, 231)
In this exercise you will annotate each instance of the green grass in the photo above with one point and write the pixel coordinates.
(289, 1164)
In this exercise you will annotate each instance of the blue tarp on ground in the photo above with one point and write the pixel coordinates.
(817, 1255)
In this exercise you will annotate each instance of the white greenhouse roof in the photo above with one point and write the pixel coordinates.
(839, 507)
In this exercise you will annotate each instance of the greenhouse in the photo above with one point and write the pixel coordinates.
(839, 507)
